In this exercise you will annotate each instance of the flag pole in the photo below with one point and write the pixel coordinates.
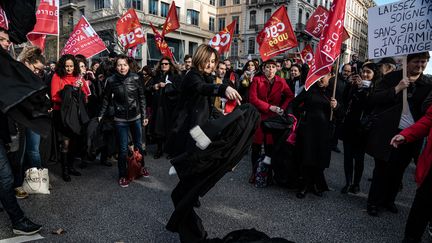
(58, 46)
(335, 84)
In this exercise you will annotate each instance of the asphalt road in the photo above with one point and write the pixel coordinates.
(93, 208)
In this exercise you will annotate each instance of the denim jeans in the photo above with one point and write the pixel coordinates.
(7, 193)
(122, 131)
(32, 149)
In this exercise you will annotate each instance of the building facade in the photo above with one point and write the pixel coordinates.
(201, 20)
(356, 23)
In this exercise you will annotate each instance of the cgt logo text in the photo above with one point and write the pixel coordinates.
(220, 40)
(131, 37)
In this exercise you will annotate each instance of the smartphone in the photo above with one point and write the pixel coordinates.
(354, 70)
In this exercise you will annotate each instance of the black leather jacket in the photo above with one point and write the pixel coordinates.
(126, 94)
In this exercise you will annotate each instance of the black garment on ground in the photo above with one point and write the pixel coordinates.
(199, 171)
(247, 236)
(73, 112)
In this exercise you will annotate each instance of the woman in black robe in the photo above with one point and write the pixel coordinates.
(313, 108)
(165, 86)
(199, 170)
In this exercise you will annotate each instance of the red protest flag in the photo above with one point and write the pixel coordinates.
(316, 22)
(161, 43)
(129, 30)
(307, 54)
(345, 35)
(329, 45)
(222, 41)
(37, 40)
(47, 18)
(277, 35)
(171, 22)
(84, 40)
(4, 23)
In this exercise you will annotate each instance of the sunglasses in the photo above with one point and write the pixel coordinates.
(165, 63)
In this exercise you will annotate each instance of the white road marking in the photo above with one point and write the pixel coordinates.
(24, 238)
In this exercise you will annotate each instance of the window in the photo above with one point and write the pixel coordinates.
(300, 16)
(164, 9)
(153, 7)
(211, 24)
(253, 1)
(237, 26)
(192, 47)
(252, 19)
(222, 3)
(136, 4)
(307, 16)
(236, 1)
(213, 2)
(251, 45)
(178, 12)
(316, 3)
(221, 23)
(82, 11)
(234, 47)
(99, 4)
(267, 14)
(192, 17)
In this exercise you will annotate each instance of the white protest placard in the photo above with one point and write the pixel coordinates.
(400, 28)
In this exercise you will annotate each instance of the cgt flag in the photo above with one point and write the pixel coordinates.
(329, 45)
(129, 30)
(4, 23)
(84, 40)
(307, 54)
(277, 35)
(171, 22)
(161, 44)
(222, 41)
(316, 22)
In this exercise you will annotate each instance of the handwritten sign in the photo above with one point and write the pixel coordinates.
(400, 28)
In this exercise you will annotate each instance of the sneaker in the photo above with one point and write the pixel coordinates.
(25, 227)
(123, 182)
(145, 173)
(20, 193)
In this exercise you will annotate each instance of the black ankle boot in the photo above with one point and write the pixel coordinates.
(71, 169)
(302, 192)
(64, 164)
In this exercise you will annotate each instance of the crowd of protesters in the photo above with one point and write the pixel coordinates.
(132, 107)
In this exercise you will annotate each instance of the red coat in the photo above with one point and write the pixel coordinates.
(419, 130)
(57, 84)
(262, 99)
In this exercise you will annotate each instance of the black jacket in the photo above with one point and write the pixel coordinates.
(195, 107)
(73, 110)
(388, 109)
(126, 94)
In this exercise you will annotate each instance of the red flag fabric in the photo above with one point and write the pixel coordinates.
(161, 44)
(222, 41)
(4, 23)
(316, 22)
(277, 35)
(47, 18)
(307, 54)
(171, 22)
(37, 40)
(84, 40)
(129, 30)
(329, 45)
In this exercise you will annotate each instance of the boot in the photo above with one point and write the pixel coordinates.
(65, 171)
(71, 169)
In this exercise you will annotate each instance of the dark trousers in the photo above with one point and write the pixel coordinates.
(313, 179)
(353, 153)
(190, 227)
(122, 129)
(421, 211)
(387, 175)
(7, 193)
